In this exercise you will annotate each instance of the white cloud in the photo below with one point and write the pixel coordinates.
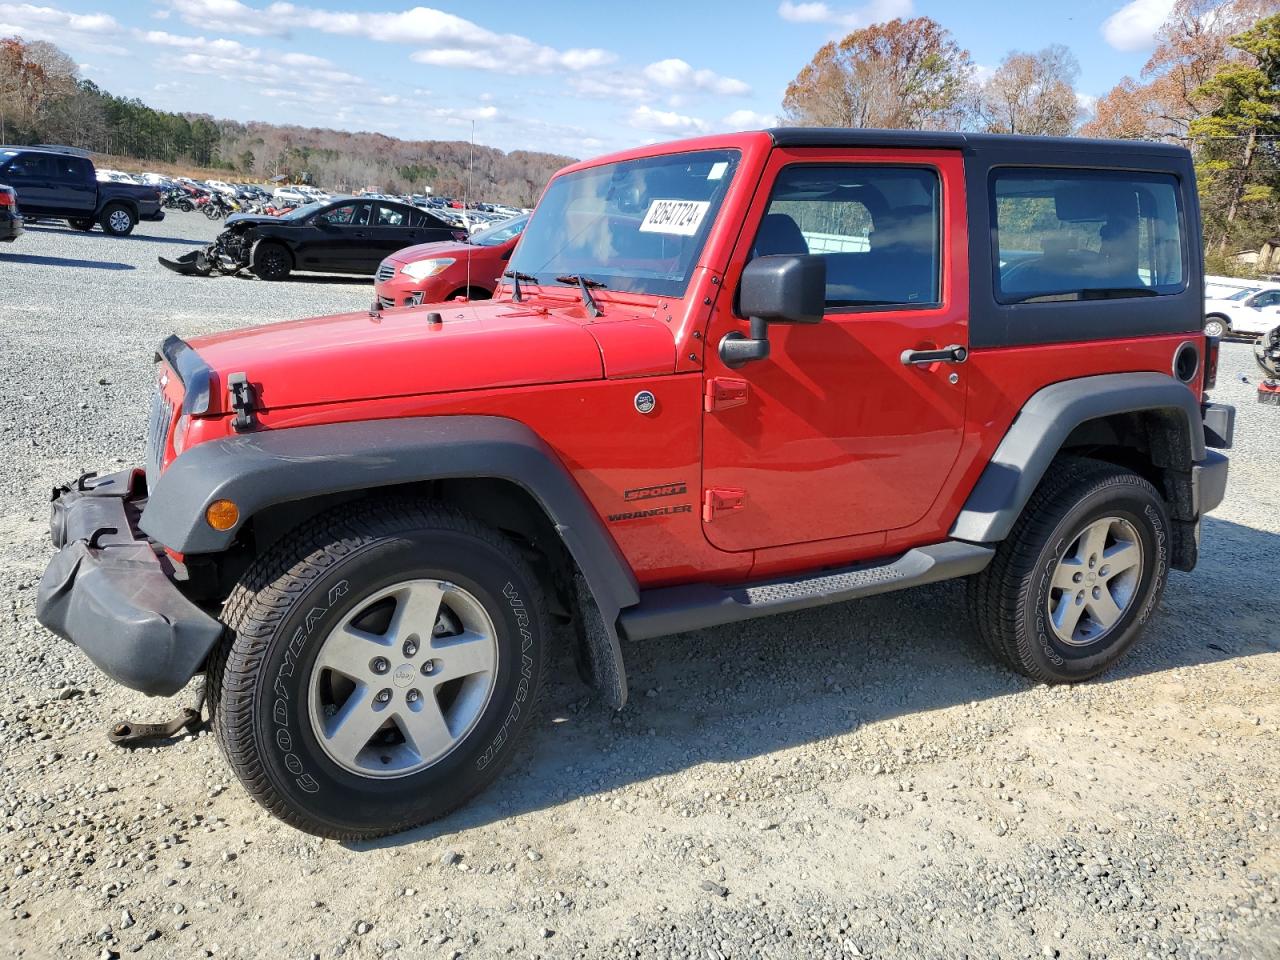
(1134, 26)
(610, 86)
(874, 11)
(444, 38)
(34, 21)
(676, 74)
(230, 16)
(644, 117)
(748, 120)
(1087, 102)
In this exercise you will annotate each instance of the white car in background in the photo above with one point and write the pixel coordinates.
(1250, 311)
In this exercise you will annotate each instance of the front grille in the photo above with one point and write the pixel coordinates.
(157, 434)
(385, 272)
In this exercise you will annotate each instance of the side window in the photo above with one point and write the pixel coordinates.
(1268, 298)
(1086, 235)
(877, 228)
(390, 216)
(350, 214)
(70, 169)
(33, 166)
(424, 219)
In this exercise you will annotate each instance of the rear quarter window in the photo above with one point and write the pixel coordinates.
(1074, 235)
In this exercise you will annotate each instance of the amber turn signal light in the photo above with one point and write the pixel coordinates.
(222, 514)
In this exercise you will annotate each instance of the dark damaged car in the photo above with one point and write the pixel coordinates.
(350, 235)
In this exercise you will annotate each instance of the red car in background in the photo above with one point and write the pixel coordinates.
(432, 272)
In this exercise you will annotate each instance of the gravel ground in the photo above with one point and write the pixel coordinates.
(858, 781)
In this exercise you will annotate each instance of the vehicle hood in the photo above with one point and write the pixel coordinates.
(442, 248)
(477, 346)
(359, 356)
(255, 219)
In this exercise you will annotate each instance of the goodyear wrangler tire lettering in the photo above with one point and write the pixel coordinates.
(336, 567)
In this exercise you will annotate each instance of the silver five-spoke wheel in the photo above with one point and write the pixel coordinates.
(1095, 581)
(403, 678)
(120, 220)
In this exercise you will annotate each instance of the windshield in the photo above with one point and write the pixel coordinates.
(501, 233)
(1241, 294)
(636, 226)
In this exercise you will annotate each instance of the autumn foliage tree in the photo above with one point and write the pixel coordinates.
(900, 74)
(1239, 139)
(1031, 93)
(1191, 45)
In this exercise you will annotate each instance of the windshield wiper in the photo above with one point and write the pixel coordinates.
(516, 276)
(585, 284)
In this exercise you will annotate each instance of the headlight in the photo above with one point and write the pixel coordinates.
(421, 269)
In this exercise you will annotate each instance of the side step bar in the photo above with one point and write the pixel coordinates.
(670, 610)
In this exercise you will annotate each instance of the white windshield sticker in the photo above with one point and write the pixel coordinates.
(679, 217)
(717, 170)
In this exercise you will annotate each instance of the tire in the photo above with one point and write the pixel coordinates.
(1216, 325)
(279, 705)
(118, 220)
(81, 223)
(186, 206)
(1017, 601)
(270, 261)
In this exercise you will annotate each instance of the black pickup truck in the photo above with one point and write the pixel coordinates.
(56, 184)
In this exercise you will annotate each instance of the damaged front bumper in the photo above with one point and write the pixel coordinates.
(109, 591)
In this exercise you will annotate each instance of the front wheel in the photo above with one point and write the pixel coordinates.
(270, 261)
(1080, 574)
(379, 666)
(1216, 326)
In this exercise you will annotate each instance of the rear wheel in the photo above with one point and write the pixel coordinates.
(270, 261)
(379, 666)
(1216, 325)
(118, 220)
(1077, 579)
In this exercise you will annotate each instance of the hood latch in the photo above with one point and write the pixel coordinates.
(243, 400)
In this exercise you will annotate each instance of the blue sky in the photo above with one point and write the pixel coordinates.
(572, 77)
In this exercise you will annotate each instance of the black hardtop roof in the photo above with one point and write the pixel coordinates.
(942, 140)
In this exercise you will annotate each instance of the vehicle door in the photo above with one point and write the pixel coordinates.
(339, 238)
(76, 184)
(31, 176)
(837, 432)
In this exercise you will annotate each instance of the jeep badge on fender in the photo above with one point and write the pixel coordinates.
(365, 565)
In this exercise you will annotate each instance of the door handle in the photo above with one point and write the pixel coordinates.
(956, 353)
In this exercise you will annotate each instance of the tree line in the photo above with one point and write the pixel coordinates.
(1211, 83)
(44, 100)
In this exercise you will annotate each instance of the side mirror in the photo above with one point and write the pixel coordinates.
(775, 289)
(322, 220)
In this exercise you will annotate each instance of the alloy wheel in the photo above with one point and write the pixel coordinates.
(403, 678)
(1095, 581)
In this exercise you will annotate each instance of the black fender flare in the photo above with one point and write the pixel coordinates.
(263, 469)
(1045, 422)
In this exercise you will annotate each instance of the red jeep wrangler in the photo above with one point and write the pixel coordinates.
(728, 377)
